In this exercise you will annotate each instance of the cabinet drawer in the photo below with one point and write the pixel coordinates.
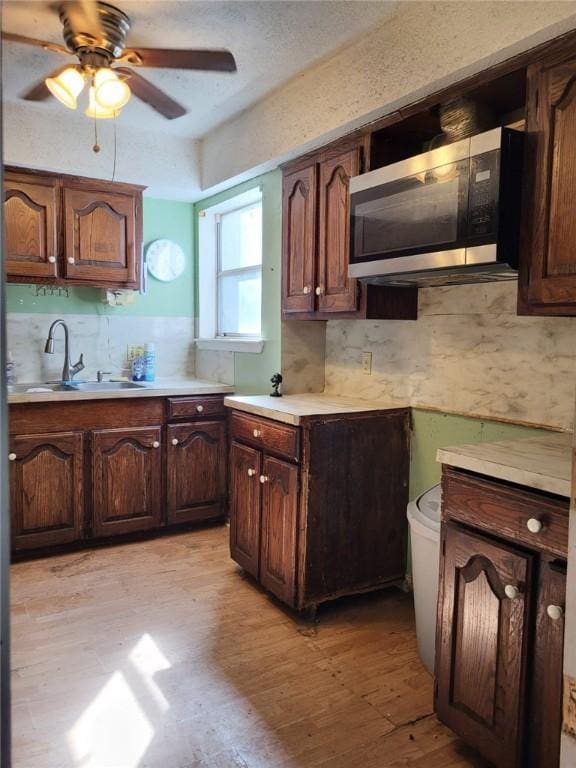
(269, 435)
(188, 407)
(523, 516)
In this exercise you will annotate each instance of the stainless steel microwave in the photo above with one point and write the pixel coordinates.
(448, 216)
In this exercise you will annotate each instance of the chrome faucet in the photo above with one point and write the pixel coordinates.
(68, 371)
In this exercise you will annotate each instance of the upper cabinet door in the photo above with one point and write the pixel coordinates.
(101, 236)
(31, 212)
(299, 240)
(549, 270)
(483, 610)
(336, 292)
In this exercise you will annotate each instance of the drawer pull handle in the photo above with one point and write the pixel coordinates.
(155, 444)
(175, 441)
(257, 432)
(306, 290)
(534, 525)
(511, 591)
(251, 472)
(11, 457)
(70, 259)
(319, 290)
(52, 259)
(555, 612)
(199, 408)
(263, 479)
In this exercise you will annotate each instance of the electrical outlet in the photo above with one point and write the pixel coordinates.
(367, 363)
(133, 351)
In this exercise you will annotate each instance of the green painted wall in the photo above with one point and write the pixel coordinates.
(252, 372)
(434, 430)
(162, 219)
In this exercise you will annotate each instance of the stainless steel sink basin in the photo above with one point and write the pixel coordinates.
(103, 386)
(40, 387)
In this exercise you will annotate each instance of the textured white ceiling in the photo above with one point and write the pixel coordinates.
(272, 42)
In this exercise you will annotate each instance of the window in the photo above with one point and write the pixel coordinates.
(230, 273)
(239, 271)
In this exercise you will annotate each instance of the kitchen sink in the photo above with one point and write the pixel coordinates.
(103, 386)
(40, 387)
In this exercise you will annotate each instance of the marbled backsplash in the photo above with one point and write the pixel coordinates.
(468, 353)
(104, 340)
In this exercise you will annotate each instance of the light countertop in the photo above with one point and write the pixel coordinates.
(159, 388)
(544, 463)
(293, 409)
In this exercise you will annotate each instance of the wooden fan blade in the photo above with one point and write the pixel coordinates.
(12, 38)
(152, 95)
(40, 92)
(168, 58)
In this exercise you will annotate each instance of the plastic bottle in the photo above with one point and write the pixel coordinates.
(149, 362)
(138, 369)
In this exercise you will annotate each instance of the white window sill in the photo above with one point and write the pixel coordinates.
(252, 346)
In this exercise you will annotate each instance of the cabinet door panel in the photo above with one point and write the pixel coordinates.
(30, 222)
(46, 484)
(481, 645)
(126, 480)
(100, 236)
(299, 240)
(549, 272)
(338, 293)
(279, 528)
(196, 465)
(245, 470)
(546, 708)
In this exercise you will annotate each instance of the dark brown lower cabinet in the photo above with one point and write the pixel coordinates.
(196, 467)
(279, 528)
(126, 480)
(500, 630)
(46, 489)
(245, 471)
(318, 510)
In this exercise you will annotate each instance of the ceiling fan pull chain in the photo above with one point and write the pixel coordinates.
(115, 152)
(96, 147)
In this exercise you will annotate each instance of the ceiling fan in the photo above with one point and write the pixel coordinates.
(96, 32)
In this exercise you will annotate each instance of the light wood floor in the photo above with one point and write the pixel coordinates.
(161, 654)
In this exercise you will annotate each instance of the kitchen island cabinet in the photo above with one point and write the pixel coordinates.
(318, 495)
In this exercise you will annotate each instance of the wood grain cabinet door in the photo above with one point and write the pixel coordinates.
(279, 528)
(549, 234)
(31, 211)
(546, 700)
(299, 240)
(196, 466)
(483, 612)
(46, 489)
(245, 471)
(101, 239)
(126, 480)
(337, 292)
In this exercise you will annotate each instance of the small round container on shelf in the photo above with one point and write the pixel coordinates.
(424, 519)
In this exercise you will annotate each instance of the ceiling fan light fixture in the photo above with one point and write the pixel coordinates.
(94, 109)
(67, 86)
(110, 91)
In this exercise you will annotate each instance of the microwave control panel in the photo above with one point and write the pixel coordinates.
(483, 194)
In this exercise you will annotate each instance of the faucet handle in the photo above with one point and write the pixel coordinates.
(77, 367)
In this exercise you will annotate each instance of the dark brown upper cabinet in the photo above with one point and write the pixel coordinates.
(316, 227)
(71, 230)
(548, 271)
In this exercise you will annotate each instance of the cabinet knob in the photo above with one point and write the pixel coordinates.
(70, 259)
(175, 441)
(319, 290)
(52, 259)
(11, 457)
(511, 591)
(555, 612)
(257, 432)
(155, 444)
(263, 479)
(534, 525)
(199, 408)
(307, 289)
(251, 472)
